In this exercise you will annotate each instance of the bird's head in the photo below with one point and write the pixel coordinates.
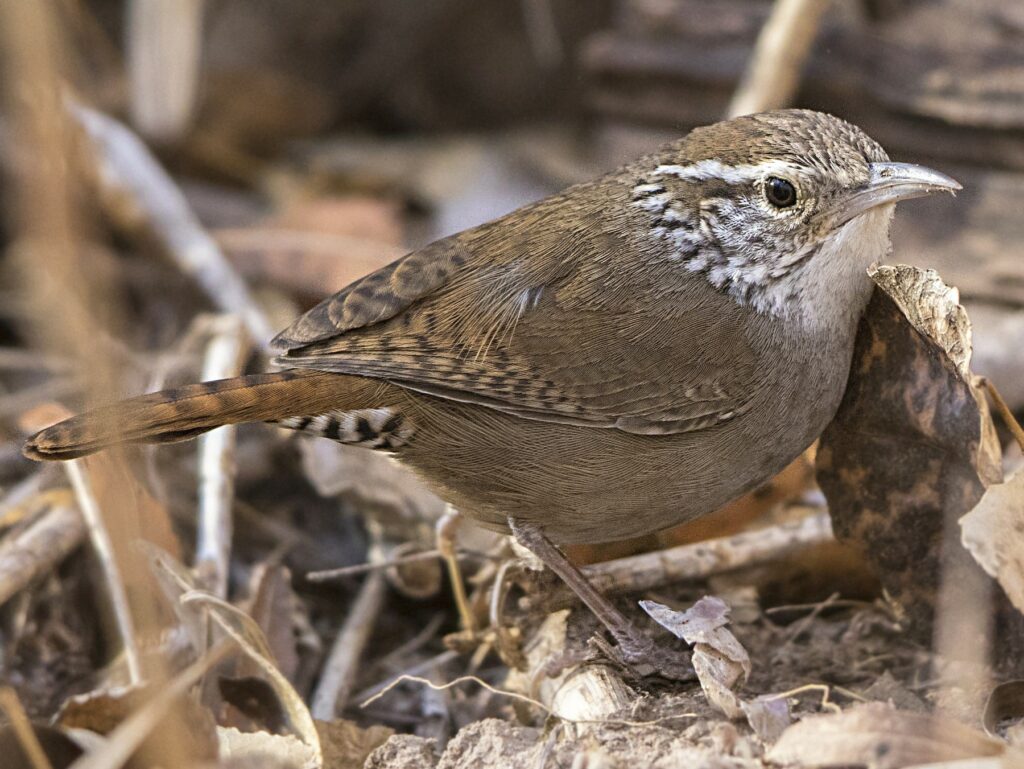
(778, 204)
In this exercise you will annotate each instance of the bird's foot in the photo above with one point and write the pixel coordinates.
(644, 657)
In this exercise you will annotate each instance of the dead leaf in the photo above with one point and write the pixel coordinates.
(272, 604)
(1005, 703)
(254, 698)
(719, 660)
(345, 744)
(931, 307)
(103, 710)
(881, 737)
(391, 495)
(264, 749)
(993, 532)
(910, 449)
(768, 716)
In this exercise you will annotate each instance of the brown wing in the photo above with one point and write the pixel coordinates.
(548, 317)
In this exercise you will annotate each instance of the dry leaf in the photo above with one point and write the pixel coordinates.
(993, 532)
(269, 750)
(768, 716)
(932, 307)
(247, 634)
(881, 737)
(272, 603)
(1005, 703)
(719, 660)
(255, 699)
(103, 710)
(910, 449)
(347, 745)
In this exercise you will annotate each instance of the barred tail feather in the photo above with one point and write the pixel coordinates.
(184, 412)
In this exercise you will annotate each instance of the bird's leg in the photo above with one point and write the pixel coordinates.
(445, 531)
(634, 648)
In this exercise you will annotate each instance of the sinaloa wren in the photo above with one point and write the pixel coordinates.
(626, 355)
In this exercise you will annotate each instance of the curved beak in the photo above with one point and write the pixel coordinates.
(891, 183)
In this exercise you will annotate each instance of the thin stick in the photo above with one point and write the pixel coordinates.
(697, 561)
(1005, 412)
(23, 730)
(341, 668)
(17, 359)
(104, 547)
(362, 568)
(27, 495)
(39, 548)
(224, 358)
(140, 191)
(164, 49)
(773, 75)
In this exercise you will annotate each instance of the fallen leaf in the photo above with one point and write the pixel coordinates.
(910, 450)
(254, 698)
(993, 532)
(1005, 704)
(768, 716)
(931, 307)
(103, 710)
(719, 660)
(274, 751)
(345, 744)
(881, 737)
(272, 604)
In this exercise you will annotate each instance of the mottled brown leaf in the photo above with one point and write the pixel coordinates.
(909, 452)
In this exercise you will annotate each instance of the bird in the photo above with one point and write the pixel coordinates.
(623, 356)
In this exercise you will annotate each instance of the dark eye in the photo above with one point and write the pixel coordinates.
(780, 193)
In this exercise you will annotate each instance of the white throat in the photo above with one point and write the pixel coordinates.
(833, 286)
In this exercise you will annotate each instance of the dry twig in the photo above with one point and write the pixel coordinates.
(39, 548)
(11, 706)
(773, 73)
(104, 547)
(698, 561)
(224, 358)
(139, 191)
(341, 668)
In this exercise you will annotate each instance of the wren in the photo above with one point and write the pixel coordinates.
(626, 355)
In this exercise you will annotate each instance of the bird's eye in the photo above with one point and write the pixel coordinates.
(780, 192)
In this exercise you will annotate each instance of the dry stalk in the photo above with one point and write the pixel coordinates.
(104, 548)
(138, 191)
(164, 46)
(697, 561)
(39, 548)
(342, 666)
(773, 74)
(225, 356)
(30, 745)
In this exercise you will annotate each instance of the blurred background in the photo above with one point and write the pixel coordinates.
(168, 159)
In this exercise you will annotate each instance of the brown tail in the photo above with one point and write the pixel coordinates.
(184, 412)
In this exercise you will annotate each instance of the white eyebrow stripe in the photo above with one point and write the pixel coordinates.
(645, 189)
(703, 170)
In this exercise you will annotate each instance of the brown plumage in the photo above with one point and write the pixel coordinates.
(624, 356)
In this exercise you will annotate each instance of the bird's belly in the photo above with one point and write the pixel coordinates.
(584, 484)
